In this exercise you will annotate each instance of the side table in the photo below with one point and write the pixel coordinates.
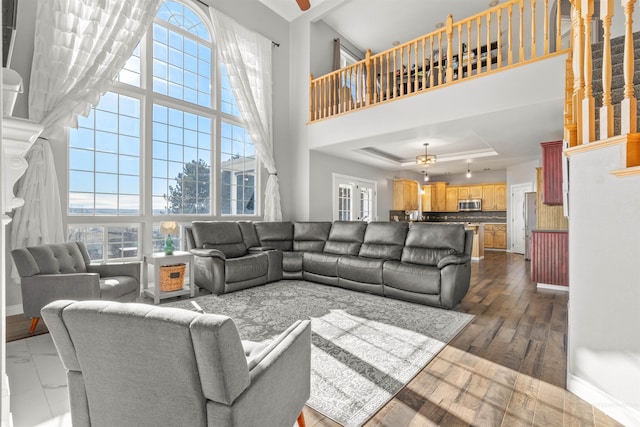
(158, 260)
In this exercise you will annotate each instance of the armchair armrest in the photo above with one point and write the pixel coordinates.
(454, 259)
(41, 289)
(131, 269)
(208, 253)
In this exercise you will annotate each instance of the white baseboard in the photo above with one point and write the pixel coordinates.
(11, 310)
(553, 287)
(617, 410)
(477, 258)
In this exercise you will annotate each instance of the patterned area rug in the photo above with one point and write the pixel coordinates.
(365, 348)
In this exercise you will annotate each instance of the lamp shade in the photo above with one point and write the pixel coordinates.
(169, 227)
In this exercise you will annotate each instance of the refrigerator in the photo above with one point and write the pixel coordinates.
(529, 221)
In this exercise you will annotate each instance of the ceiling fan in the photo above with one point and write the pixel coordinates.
(303, 4)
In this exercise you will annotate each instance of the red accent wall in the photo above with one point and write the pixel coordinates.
(550, 257)
(552, 172)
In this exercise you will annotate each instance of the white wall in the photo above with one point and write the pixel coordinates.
(477, 177)
(322, 36)
(604, 300)
(323, 166)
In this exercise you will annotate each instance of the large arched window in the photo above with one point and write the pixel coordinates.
(167, 141)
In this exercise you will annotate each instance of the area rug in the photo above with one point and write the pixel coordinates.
(365, 348)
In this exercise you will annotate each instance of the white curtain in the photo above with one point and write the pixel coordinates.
(247, 56)
(79, 49)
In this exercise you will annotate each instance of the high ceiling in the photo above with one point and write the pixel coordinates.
(486, 140)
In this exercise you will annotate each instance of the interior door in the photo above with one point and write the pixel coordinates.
(517, 216)
(354, 199)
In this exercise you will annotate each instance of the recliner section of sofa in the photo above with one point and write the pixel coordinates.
(424, 263)
(223, 263)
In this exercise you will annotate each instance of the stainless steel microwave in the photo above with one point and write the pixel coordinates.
(469, 205)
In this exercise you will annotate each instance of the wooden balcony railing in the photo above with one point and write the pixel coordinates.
(513, 33)
(581, 116)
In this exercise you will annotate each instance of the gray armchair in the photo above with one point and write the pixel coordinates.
(64, 271)
(141, 365)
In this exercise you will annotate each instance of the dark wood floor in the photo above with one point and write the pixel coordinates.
(507, 368)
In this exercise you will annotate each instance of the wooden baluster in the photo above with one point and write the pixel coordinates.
(510, 36)
(416, 65)
(387, 72)
(578, 68)
(424, 63)
(628, 107)
(588, 105)
(311, 87)
(558, 26)
(432, 62)
(546, 27)
(402, 69)
(369, 76)
(449, 27)
(488, 58)
(323, 103)
(395, 73)
(521, 51)
(469, 69)
(534, 52)
(499, 14)
(478, 47)
(459, 53)
(440, 58)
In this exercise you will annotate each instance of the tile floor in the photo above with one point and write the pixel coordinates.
(38, 384)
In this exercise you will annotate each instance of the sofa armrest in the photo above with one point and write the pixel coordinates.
(453, 259)
(131, 269)
(208, 253)
(41, 289)
(258, 249)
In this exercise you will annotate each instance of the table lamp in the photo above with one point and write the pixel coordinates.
(168, 228)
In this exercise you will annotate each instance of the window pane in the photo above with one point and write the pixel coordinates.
(182, 169)
(94, 180)
(238, 166)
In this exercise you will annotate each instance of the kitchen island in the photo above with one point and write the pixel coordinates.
(477, 251)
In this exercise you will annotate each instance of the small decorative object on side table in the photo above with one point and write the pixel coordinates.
(168, 228)
(158, 260)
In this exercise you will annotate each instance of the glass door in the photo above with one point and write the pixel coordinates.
(354, 199)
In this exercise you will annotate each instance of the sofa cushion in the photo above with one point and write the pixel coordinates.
(112, 288)
(319, 263)
(223, 236)
(411, 277)
(345, 237)
(384, 240)
(310, 236)
(249, 234)
(246, 268)
(362, 270)
(277, 235)
(427, 244)
(291, 261)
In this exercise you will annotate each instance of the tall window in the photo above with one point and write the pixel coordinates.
(354, 199)
(150, 148)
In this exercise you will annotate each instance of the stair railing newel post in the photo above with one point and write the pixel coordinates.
(628, 106)
(569, 120)
(588, 105)
(578, 69)
(606, 111)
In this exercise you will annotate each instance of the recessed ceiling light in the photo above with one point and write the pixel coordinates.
(440, 25)
(493, 3)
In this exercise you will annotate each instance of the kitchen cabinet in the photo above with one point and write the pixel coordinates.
(451, 199)
(475, 192)
(463, 193)
(495, 236)
(405, 195)
(426, 198)
(494, 197)
(439, 197)
(552, 173)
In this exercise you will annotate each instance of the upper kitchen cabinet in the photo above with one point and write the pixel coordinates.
(494, 197)
(405, 195)
(451, 199)
(552, 172)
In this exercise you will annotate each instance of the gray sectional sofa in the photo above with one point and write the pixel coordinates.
(424, 263)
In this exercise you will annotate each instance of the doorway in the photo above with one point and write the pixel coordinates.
(354, 199)
(517, 216)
